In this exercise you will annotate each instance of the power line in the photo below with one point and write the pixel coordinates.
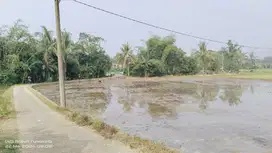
(162, 28)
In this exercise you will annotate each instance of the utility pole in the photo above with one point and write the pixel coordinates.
(60, 56)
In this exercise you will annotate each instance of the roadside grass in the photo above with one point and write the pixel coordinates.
(3, 88)
(7, 116)
(6, 106)
(107, 131)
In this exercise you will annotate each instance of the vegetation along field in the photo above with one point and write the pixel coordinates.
(26, 57)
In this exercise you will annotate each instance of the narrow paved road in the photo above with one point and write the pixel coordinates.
(39, 126)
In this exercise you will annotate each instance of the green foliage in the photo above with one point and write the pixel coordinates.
(188, 66)
(233, 57)
(160, 56)
(151, 68)
(31, 58)
(125, 58)
(207, 60)
(203, 55)
(214, 62)
(28, 58)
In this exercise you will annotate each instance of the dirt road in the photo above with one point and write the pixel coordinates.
(45, 131)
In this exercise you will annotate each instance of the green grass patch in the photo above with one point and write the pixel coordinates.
(258, 74)
(257, 71)
(6, 106)
(98, 125)
(8, 135)
(255, 75)
(107, 131)
(3, 88)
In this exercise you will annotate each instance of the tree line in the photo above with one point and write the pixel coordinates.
(161, 56)
(26, 57)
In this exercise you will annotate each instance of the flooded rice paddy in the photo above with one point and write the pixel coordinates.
(193, 115)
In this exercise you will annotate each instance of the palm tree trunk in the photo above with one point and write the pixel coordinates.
(124, 62)
(128, 71)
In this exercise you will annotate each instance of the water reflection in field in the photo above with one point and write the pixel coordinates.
(196, 116)
(192, 115)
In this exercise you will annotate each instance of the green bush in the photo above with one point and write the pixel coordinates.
(188, 66)
(151, 68)
(98, 125)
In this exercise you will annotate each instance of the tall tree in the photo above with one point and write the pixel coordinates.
(204, 56)
(25, 56)
(67, 46)
(126, 56)
(47, 46)
(233, 57)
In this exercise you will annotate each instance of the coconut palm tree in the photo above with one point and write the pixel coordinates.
(67, 45)
(144, 57)
(48, 44)
(126, 56)
(48, 47)
(204, 55)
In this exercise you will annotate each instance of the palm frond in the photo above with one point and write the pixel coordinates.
(47, 34)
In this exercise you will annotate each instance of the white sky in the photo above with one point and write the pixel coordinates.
(248, 22)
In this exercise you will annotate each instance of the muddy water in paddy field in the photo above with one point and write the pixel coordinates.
(211, 115)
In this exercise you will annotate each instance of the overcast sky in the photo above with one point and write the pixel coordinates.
(248, 22)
